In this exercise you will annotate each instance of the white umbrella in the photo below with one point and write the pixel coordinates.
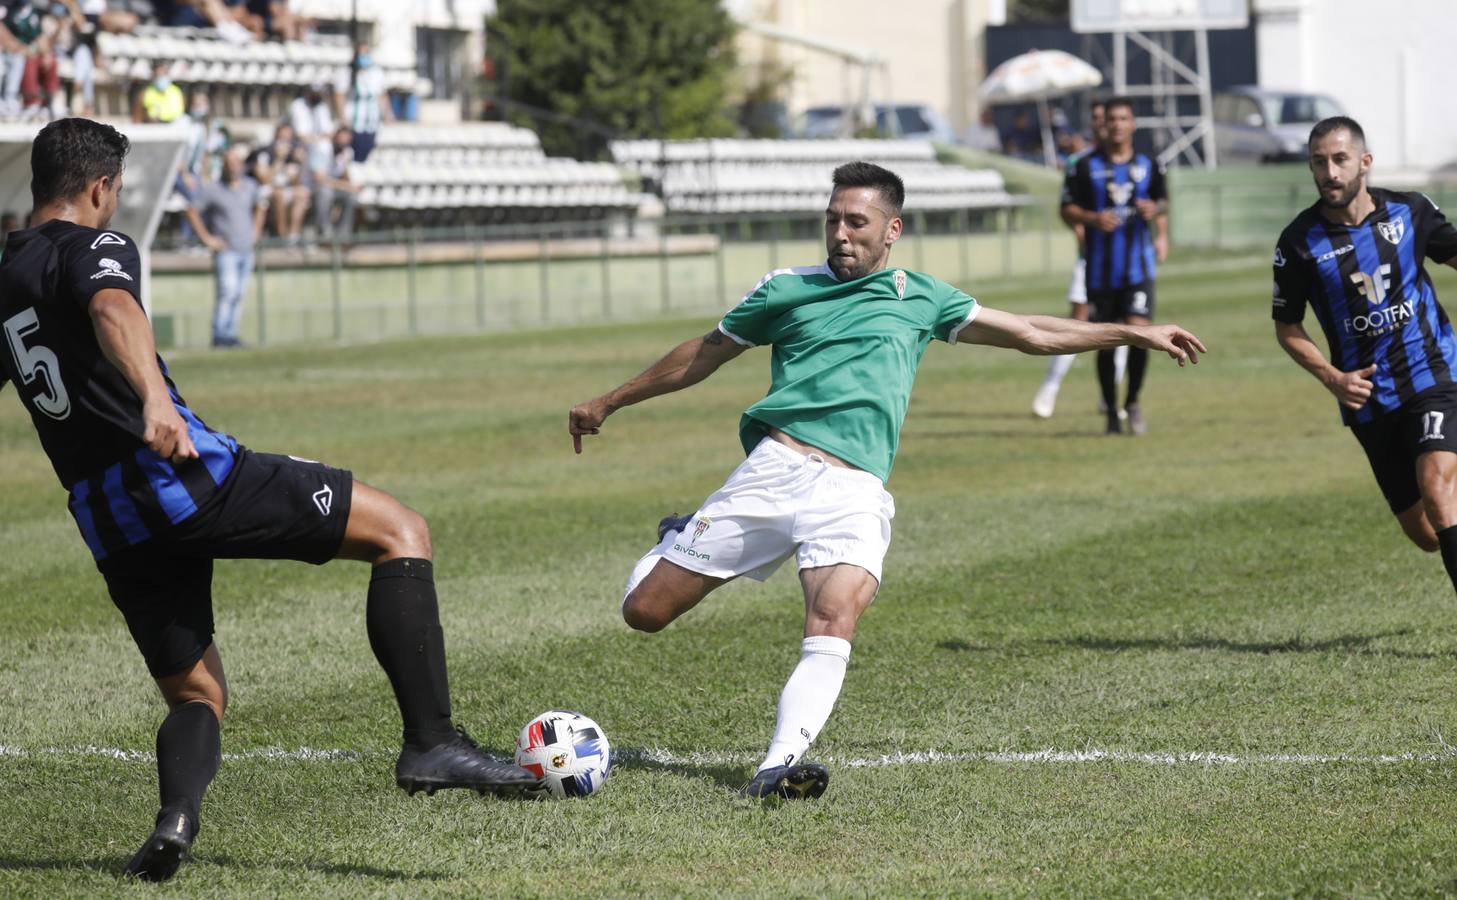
(1037, 75)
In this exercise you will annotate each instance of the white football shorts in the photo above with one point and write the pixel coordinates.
(1077, 289)
(780, 502)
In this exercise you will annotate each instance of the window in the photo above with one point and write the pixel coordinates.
(439, 56)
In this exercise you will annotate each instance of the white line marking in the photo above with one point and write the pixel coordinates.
(664, 757)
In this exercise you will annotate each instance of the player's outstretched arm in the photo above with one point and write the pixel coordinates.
(684, 366)
(1352, 389)
(1050, 335)
(125, 337)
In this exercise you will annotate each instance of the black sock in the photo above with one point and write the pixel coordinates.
(1447, 537)
(189, 749)
(1137, 365)
(1107, 382)
(404, 632)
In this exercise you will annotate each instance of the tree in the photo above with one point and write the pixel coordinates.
(582, 72)
(1041, 12)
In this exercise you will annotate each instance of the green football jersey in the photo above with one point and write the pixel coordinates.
(845, 355)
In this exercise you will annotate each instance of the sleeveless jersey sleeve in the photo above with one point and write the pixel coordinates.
(1438, 234)
(1292, 282)
(109, 260)
(748, 323)
(1157, 189)
(954, 312)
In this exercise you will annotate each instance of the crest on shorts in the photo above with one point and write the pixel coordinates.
(900, 284)
(700, 526)
(1393, 231)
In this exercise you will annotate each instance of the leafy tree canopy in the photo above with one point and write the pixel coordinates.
(636, 68)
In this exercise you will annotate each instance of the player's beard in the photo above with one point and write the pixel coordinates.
(847, 269)
(1347, 194)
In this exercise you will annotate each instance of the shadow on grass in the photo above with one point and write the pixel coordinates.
(359, 870)
(1354, 644)
(113, 866)
(733, 777)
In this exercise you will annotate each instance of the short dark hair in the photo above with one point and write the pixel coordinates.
(1336, 123)
(1098, 104)
(69, 154)
(864, 174)
(1112, 102)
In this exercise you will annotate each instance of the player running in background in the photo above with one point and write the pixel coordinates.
(1118, 196)
(1077, 289)
(847, 337)
(158, 495)
(1356, 259)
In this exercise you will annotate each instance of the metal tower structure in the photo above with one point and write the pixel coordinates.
(1173, 37)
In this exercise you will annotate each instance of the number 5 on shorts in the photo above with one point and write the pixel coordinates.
(37, 362)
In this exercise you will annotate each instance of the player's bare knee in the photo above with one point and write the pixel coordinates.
(642, 614)
(210, 694)
(408, 536)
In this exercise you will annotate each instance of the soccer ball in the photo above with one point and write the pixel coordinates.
(567, 751)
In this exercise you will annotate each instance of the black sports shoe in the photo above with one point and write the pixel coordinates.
(458, 763)
(805, 781)
(673, 522)
(1115, 426)
(165, 849)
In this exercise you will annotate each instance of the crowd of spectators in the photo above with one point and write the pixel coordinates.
(303, 165)
(36, 34)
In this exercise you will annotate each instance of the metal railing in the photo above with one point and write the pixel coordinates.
(496, 278)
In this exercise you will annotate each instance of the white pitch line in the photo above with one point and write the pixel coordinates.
(930, 757)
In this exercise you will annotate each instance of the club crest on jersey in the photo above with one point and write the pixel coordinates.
(107, 239)
(900, 284)
(1393, 231)
(1137, 172)
(110, 267)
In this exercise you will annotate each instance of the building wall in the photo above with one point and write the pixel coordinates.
(1388, 68)
(931, 49)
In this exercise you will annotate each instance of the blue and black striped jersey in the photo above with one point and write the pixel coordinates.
(87, 416)
(1124, 257)
(1371, 292)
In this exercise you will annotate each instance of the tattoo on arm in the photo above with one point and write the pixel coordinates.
(714, 337)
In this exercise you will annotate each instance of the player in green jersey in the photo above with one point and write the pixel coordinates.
(848, 336)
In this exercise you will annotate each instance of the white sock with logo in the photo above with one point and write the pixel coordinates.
(808, 698)
(1057, 369)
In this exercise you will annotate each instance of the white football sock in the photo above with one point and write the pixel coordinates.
(808, 697)
(1057, 368)
(1120, 363)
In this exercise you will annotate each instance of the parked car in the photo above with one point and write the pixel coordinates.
(1257, 125)
(913, 121)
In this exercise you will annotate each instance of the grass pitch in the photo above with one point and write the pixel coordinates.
(1243, 671)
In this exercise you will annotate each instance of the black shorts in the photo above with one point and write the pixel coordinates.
(270, 507)
(1394, 441)
(1115, 304)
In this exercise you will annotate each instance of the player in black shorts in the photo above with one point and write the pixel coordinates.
(1117, 196)
(158, 495)
(1356, 259)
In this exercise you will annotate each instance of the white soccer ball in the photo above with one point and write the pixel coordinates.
(567, 751)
